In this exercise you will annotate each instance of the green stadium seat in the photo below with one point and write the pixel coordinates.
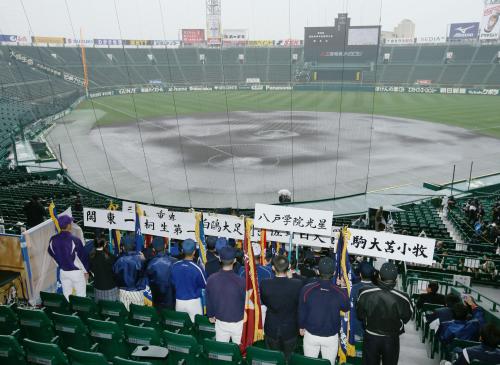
(8, 320)
(110, 338)
(85, 307)
(36, 325)
(257, 356)
(115, 311)
(181, 348)
(177, 322)
(203, 328)
(220, 353)
(144, 315)
(10, 351)
(72, 332)
(79, 357)
(54, 302)
(137, 336)
(297, 359)
(121, 361)
(44, 353)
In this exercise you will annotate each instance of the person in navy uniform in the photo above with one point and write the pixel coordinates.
(226, 299)
(213, 262)
(281, 297)
(461, 327)
(189, 280)
(263, 272)
(129, 270)
(320, 303)
(366, 272)
(68, 252)
(159, 271)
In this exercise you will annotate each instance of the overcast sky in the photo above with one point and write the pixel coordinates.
(265, 19)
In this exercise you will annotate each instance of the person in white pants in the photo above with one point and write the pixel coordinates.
(68, 252)
(226, 299)
(320, 303)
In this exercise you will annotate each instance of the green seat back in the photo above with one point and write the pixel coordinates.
(35, 325)
(181, 348)
(8, 320)
(10, 351)
(177, 322)
(109, 335)
(121, 361)
(141, 336)
(115, 311)
(54, 302)
(72, 332)
(144, 315)
(203, 328)
(258, 356)
(44, 353)
(79, 357)
(85, 307)
(220, 353)
(297, 359)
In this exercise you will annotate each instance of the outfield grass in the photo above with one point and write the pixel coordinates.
(478, 113)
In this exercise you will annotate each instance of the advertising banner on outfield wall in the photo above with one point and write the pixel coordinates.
(79, 42)
(107, 42)
(193, 36)
(8, 38)
(490, 22)
(137, 42)
(431, 39)
(459, 31)
(166, 43)
(47, 40)
(235, 37)
(394, 41)
(261, 43)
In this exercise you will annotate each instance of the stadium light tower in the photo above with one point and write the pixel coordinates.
(214, 22)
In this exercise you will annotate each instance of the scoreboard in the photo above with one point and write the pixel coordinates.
(342, 43)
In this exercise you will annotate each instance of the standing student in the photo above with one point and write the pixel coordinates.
(189, 280)
(67, 251)
(101, 267)
(366, 272)
(383, 311)
(226, 299)
(159, 273)
(320, 303)
(281, 297)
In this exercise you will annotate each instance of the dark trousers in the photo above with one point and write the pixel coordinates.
(376, 348)
(278, 344)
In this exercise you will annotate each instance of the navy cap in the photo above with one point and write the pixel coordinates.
(227, 253)
(221, 242)
(388, 271)
(210, 240)
(64, 220)
(326, 266)
(366, 269)
(128, 241)
(158, 243)
(188, 246)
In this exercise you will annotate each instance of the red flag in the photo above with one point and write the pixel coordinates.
(252, 321)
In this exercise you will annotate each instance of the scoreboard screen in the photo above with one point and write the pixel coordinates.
(341, 43)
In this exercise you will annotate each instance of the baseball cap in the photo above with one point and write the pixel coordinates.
(227, 253)
(219, 243)
(256, 249)
(128, 242)
(64, 220)
(211, 240)
(326, 266)
(366, 269)
(388, 271)
(158, 243)
(188, 246)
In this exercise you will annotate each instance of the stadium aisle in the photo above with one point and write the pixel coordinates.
(412, 350)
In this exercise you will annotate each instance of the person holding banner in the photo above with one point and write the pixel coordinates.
(101, 267)
(226, 299)
(263, 272)
(320, 303)
(68, 252)
(159, 272)
(129, 273)
(383, 311)
(189, 280)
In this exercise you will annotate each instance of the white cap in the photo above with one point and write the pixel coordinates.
(256, 249)
(285, 192)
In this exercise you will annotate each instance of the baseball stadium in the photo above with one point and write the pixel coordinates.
(393, 136)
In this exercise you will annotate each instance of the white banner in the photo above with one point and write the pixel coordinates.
(154, 226)
(286, 218)
(301, 239)
(152, 211)
(235, 36)
(109, 219)
(128, 207)
(181, 225)
(399, 40)
(490, 22)
(432, 39)
(222, 225)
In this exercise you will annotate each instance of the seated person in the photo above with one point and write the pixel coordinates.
(444, 314)
(487, 352)
(461, 327)
(431, 296)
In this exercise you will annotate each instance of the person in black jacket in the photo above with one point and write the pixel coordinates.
(35, 212)
(431, 296)
(213, 262)
(281, 297)
(101, 265)
(384, 311)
